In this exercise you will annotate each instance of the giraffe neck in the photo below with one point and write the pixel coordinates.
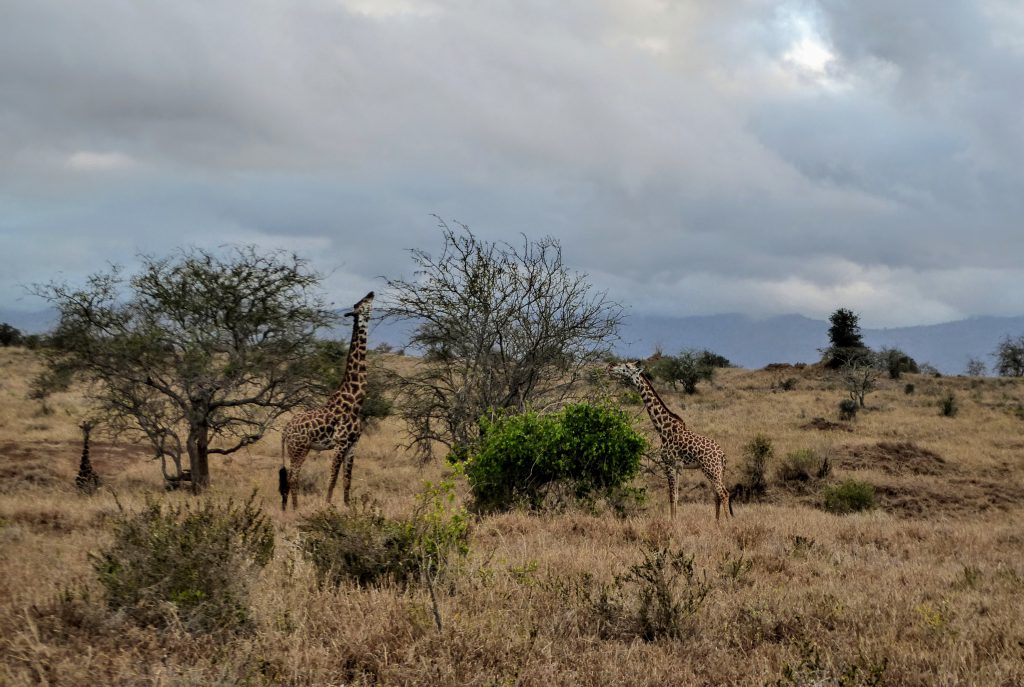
(85, 447)
(661, 416)
(353, 384)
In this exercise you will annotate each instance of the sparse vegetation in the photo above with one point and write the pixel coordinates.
(188, 564)
(948, 405)
(521, 606)
(803, 465)
(757, 455)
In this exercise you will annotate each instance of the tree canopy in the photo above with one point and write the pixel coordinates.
(500, 326)
(197, 352)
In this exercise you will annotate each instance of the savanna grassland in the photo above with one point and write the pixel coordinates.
(925, 589)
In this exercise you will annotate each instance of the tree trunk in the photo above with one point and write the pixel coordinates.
(198, 456)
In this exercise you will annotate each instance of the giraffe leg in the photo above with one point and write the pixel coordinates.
(672, 490)
(296, 459)
(350, 458)
(341, 457)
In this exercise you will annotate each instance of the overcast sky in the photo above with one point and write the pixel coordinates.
(692, 157)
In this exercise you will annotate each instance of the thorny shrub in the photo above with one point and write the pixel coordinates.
(362, 546)
(655, 598)
(187, 563)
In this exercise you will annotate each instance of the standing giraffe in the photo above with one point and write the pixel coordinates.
(337, 424)
(679, 446)
(87, 481)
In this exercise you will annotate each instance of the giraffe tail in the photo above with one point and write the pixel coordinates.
(283, 486)
(730, 506)
(282, 479)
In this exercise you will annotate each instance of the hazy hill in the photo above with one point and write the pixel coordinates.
(746, 341)
(754, 343)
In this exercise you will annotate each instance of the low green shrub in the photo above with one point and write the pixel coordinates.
(362, 546)
(592, 448)
(948, 405)
(850, 496)
(848, 409)
(188, 563)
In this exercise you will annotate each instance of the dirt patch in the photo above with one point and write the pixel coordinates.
(955, 497)
(894, 458)
(824, 425)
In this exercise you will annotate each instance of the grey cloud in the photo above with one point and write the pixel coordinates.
(665, 144)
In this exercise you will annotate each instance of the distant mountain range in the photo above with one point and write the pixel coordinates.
(746, 341)
(753, 343)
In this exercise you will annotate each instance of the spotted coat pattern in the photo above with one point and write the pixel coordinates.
(336, 425)
(87, 481)
(679, 445)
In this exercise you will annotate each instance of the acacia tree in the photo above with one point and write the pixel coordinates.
(197, 353)
(1009, 357)
(500, 328)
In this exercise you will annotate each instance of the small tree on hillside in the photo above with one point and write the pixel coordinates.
(846, 342)
(1010, 357)
(198, 354)
(896, 362)
(860, 376)
(9, 335)
(975, 368)
(500, 328)
(688, 368)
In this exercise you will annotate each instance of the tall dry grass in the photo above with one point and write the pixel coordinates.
(927, 589)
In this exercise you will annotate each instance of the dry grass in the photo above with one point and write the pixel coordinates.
(928, 589)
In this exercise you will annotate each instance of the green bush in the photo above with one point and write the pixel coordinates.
(358, 545)
(908, 388)
(849, 497)
(589, 447)
(848, 409)
(362, 546)
(803, 465)
(191, 562)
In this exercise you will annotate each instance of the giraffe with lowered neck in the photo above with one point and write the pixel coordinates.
(679, 446)
(337, 424)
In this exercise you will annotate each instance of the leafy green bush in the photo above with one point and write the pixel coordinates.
(590, 447)
(849, 497)
(362, 546)
(848, 409)
(190, 562)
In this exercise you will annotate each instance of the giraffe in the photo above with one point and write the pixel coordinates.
(336, 425)
(679, 446)
(87, 481)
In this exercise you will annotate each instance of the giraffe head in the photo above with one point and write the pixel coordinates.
(628, 370)
(361, 310)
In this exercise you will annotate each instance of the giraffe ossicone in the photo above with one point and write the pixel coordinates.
(336, 425)
(679, 446)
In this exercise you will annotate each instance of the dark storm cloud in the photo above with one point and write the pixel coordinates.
(692, 157)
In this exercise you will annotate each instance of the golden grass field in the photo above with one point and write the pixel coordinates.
(927, 589)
